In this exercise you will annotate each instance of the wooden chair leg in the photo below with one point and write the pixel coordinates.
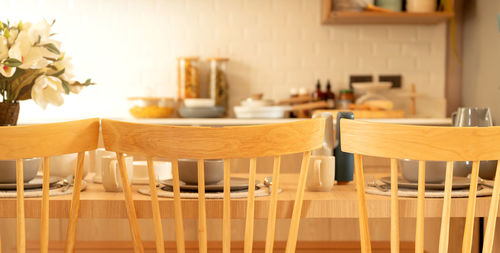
(21, 227)
(44, 223)
(129, 204)
(75, 205)
(155, 206)
(297, 206)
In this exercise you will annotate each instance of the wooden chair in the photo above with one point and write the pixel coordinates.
(174, 142)
(43, 141)
(424, 143)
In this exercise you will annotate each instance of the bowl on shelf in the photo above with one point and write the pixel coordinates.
(201, 112)
(151, 107)
(8, 170)
(199, 102)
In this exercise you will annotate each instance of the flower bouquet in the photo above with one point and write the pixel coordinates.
(32, 67)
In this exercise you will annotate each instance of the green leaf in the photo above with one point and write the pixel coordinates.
(52, 48)
(12, 62)
(58, 73)
(65, 86)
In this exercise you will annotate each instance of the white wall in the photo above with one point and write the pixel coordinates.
(481, 62)
(129, 47)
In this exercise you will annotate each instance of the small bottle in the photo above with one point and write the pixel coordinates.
(318, 94)
(346, 98)
(329, 96)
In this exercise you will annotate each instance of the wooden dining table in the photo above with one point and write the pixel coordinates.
(341, 202)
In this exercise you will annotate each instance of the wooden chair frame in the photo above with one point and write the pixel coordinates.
(175, 142)
(424, 143)
(45, 140)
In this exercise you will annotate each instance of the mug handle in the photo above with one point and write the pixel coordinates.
(317, 171)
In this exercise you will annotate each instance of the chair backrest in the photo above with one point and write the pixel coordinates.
(44, 141)
(423, 143)
(174, 142)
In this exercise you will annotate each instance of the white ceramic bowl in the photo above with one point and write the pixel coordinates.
(435, 171)
(199, 102)
(188, 171)
(261, 112)
(8, 170)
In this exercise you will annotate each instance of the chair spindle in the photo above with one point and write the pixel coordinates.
(155, 207)
(271, 220)
(202, 213)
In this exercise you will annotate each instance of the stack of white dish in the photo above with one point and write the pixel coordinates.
(200, 108)
(260, 109)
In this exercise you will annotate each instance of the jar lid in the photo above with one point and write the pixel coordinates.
(346, 91)
(217, 59)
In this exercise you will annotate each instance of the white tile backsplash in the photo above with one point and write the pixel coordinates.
(129, 47)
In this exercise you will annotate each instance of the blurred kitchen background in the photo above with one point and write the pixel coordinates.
(130, 48)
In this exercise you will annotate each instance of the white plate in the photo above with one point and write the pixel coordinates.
(37, 182)
(458, 183)
(237, 183)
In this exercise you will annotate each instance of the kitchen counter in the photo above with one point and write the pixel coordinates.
(239, 122)
(341, 202)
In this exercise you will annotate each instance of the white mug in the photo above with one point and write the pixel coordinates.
(111, 179)
(321, 174)
(162, 169)
(96, 162)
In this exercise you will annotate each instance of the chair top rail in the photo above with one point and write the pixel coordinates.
(48, 139)
(212, 142)
(420, 142)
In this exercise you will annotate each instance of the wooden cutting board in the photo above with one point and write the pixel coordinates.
(368, 114)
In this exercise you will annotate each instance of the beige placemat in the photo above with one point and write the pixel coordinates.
(36, 193)
(262, 191)
(412, 193)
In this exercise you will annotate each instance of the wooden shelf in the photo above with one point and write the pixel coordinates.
(342, 17)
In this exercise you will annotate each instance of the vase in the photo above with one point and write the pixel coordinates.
(9, 112)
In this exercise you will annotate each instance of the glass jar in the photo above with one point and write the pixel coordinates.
(188, 85)
(346, 98)
(219, 89)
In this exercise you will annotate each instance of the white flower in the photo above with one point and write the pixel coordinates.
(4, 49)
(47, 90)
(6, 71)
(65, 64)
(13, 36)
(30, 56)
(40, 30)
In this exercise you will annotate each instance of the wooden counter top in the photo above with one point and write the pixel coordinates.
(339, 203)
